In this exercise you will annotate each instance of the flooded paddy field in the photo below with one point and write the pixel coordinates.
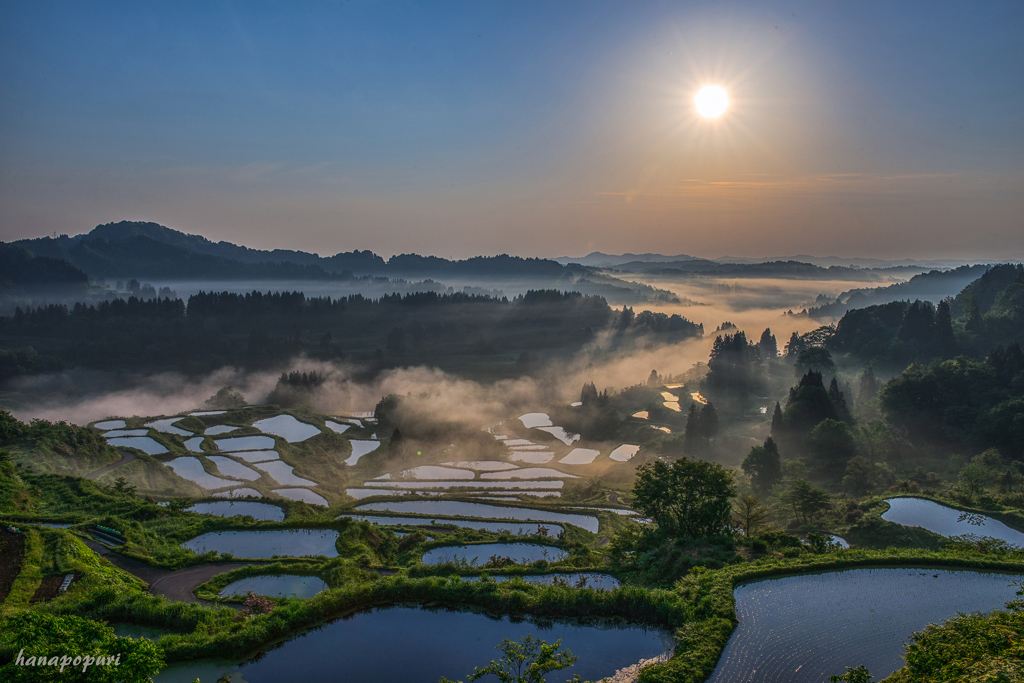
(518, 528)
(521, 553)
(304, 495)
(146, 444)
(263, 512)
(266, 544)
(282, 586)
(802, 629)
(947, 521)
(454, 508)
(420, 645)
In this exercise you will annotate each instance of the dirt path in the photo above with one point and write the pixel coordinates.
(175, 585)
(613, 498)
(126, 457)
(180, 584)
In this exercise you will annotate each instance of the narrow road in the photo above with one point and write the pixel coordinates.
(175, 585)
(126, 457)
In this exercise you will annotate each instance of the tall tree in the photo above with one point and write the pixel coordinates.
(868, 385)
(748, 514)
(777, 419)
(832, 444)
(769, 345)
(794, 346)
(839, 401)
(806, 500)
(689, 498)
(945, 344)
(764, 466)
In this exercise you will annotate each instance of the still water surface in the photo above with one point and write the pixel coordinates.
(521, 553)
(802, 629)
(417, 645)
(943, 520)
(286, 585)
(266, 544)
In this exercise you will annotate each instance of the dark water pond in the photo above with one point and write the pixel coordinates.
(261, 511)
(945, 521)
(581, 580)
(417, 645)
(522, 553)
(286, 585)
(802, 629)
(266, 544)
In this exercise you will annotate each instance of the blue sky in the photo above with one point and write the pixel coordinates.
(874, 129)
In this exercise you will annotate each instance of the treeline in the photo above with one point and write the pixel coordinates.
(986, 313)
(26, 361)
(19, 267)
(214, 329)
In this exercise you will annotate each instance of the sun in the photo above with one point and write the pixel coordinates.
(711, 101)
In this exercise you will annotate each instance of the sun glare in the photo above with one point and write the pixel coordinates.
(711, 101)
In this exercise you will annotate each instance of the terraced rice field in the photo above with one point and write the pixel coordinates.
(802, 629)
(946, 521)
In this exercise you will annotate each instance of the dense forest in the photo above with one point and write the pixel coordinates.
(261, 330)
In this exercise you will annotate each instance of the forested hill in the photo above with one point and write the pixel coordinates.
(480, 336)
(19, 267)
(141, 256)
(987, 313)
(934, 285)
(148, 250)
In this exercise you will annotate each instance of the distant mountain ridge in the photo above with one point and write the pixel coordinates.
(144, 249)
(601, 260)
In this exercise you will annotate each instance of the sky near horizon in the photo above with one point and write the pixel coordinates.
(871, 129)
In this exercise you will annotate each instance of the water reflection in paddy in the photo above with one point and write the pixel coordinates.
(235, 470)
(521, 553)
(287, 585)
(944, 521)
(266, 544)
(359, 449)
(245, 443)
(145, 444)
(287, 427)
(419, 645)
(805, 628)
(191, 469)
(304, 495)
(166, 426)
(281, 472)
(264, 512)
(455, 508)
(220, 429)
(518, 528)
(238, 493)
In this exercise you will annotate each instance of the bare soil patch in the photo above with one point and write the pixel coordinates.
(12, 554)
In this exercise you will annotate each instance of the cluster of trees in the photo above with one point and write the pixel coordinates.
(59, 438)
(986, 313)
(701, 425)
(26, 361)
(963, 402)
(261, 329)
